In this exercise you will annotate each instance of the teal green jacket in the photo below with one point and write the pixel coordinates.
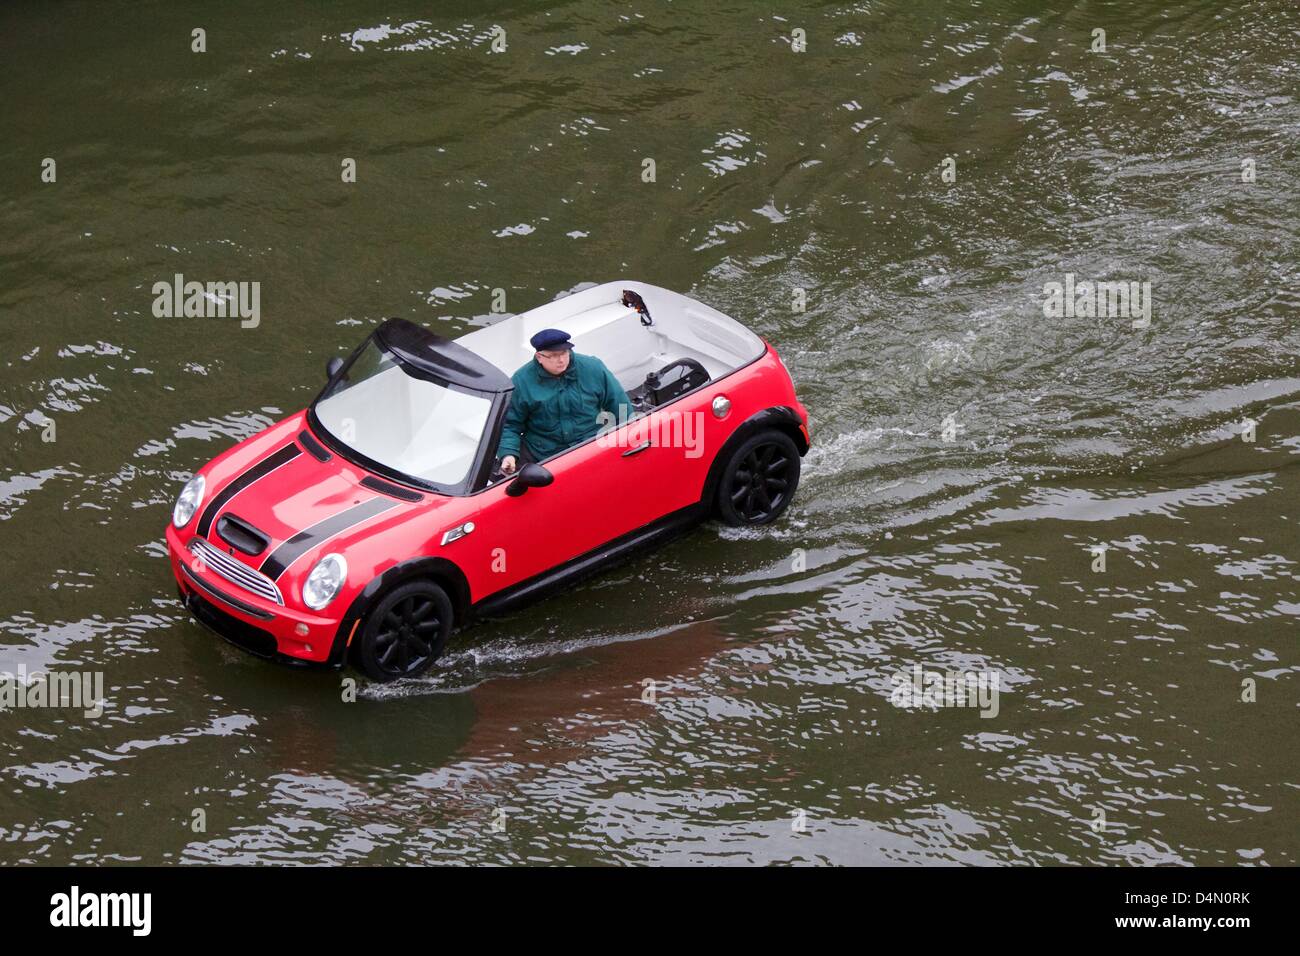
(555, 412)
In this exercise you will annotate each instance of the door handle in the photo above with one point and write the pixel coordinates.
(639, 448)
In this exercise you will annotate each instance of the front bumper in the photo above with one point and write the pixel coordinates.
(250, 622)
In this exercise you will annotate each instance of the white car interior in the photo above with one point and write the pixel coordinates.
(600, 325)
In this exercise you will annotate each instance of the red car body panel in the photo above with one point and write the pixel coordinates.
(599, 493)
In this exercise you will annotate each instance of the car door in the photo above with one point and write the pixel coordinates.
(601, 490)
(667, 455)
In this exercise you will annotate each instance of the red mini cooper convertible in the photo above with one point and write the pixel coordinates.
(366, 527)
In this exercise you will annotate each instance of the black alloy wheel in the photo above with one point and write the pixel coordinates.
(759, 479)
(405, 632)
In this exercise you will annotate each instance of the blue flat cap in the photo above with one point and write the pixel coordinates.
(549, 340)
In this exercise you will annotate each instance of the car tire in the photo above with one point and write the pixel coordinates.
(759, 479)
(404, 633)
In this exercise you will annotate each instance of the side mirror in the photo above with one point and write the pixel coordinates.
(332, 367)
(532, 475)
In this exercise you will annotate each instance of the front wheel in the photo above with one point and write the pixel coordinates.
(405, 632)
(759, 479)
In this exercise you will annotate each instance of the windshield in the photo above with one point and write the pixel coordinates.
(409, 425)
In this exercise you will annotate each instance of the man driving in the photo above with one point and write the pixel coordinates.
(558, 398)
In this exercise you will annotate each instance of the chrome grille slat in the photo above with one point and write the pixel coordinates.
(236, 571)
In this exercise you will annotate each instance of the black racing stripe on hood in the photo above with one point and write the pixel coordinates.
(264, 467)
(304, 541)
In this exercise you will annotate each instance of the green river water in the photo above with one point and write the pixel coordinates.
(969, 451)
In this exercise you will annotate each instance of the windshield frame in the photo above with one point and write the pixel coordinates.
(480, 466)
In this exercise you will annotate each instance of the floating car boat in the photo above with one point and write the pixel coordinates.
(368, 526)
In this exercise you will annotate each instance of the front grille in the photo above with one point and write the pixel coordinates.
(235, 571)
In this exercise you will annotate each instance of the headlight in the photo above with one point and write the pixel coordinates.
(188, 501)
(324, 581)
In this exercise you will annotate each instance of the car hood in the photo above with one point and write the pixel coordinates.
(274, 489)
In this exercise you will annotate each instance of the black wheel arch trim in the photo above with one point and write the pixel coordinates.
(780, 417)
(440, 570)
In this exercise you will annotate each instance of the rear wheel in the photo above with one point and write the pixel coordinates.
(405, 632)
(759, 479)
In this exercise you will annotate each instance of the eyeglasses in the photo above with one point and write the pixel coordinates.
(553, 355)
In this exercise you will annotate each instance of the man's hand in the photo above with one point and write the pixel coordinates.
(508, 465)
